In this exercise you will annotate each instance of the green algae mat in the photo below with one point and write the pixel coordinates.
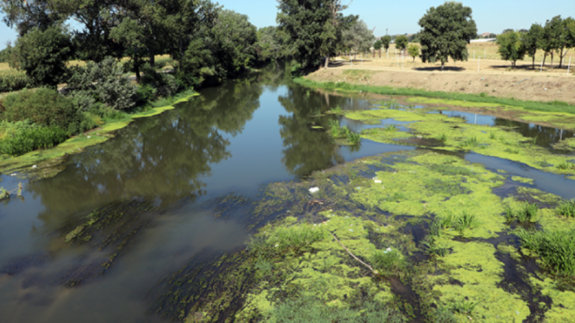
(407, 236)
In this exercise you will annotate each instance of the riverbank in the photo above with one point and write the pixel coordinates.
(527, 86)
(44, 163)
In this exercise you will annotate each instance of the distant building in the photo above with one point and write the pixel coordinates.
(485, 35)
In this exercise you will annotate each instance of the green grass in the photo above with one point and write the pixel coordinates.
(391, 128)
(527, 213)
(284, 239)
(463, 307)
(566, 209)
(554, 106)
(556, 249)
(471, 142)
(387, 262)
(565, 165)
(352, 137)
(465, 221)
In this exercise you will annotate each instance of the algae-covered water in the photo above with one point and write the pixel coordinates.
(152, 225)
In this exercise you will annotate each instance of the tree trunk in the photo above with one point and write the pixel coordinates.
(374, 53)
(327, 61)
(152, 60)
(561, 58)
(442, 64)
(533, 67)
(551, 59)
(380, 53)
(137, 70)
(544, 58)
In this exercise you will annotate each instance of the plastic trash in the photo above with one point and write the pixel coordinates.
(314, 190)
(34, 166)
(377, 181)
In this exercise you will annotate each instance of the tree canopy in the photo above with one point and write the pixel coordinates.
(401, 42)
(511, 46)
(446, 31)
(385, 41)
(358, 37)
(314, 28)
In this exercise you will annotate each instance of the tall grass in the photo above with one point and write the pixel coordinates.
(387, 262)
(566, 209)
(556, 249)
(13, 80)
(27, 140)
(354, 138)
(284, 239)
(386, 90)
(527, 213)
(565, 165)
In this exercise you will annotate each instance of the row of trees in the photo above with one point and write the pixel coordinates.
(204, 40)
(557, 36)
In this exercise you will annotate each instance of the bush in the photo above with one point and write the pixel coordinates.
(145, 93)
(44, 107)
(43, 54)
(13, 80)
(165, 84)
(30, 139)
(105, 82)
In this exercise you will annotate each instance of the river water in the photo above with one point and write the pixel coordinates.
(234, 138)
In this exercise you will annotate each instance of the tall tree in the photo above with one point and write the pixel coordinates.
(565, 41)
(401, 42)
(43, 54)
(551, 37)
(511, 46)
(446, 31)
(26, 15)
(385, 41)
(532, 41)
(358, 37)
(314, 28)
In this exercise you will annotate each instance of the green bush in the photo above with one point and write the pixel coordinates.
(104, 82)
(13, 80)
(166, 85)
(30, 139)
(43, 107)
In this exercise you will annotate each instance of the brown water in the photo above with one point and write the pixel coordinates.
(163, 173)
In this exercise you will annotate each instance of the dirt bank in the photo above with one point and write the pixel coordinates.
(523, 86)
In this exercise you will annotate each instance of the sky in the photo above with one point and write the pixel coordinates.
(401, 17)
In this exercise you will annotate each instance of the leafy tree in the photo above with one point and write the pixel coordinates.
(314, 28)
(385, 41)
(551, 37)
(43, 55)
(413, 51)
(446, 31)
(358, 37)
(508, 30)
(377, 45)
(401, 42)
(565, 41)
(511, 46)
(28, 15)
(532, 40)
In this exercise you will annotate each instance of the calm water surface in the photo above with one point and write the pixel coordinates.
(234, 138)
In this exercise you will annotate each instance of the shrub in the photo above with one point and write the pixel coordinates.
(31, 139)
(105, 82)
(43, 55)
(165, 84)
(44, 107)
(13, 80)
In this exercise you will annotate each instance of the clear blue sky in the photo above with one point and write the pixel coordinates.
(402, 16)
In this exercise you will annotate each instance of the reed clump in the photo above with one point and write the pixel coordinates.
(555, 248)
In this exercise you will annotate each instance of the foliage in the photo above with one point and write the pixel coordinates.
(532, 41)
(44, 107)
(527, 213)
(385, 41)
(401, 42)
(413, 51)
(377, 45)
(358, 37)
(556, 249)
(165, 85)
(511, 47)
(566, 209)
(446, 31)
(314, 28)
(43, 54)
(13, 80)
(30, 139)
(388, 262)
(104, 82)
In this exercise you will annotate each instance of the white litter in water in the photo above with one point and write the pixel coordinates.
(377, 181)
(351, 230)
(13, 175)
(89, 137)
(34, 166)
(314, 190)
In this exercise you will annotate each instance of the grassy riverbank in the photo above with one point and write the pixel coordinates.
(47, 160)
(476, 100)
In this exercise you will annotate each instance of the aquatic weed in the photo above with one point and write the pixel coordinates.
(556, 249)
(565, 165)
(492, 135)
(443, 137)
(566, 209)
(465, 221)
(353, 137)
(391, 128)
(471, 142)
(463, 306)
(387, 262)
(527, 213)
(444, 315)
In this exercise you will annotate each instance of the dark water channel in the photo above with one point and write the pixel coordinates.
(233, 138)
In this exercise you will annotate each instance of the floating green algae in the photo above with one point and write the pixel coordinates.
(522, 179)
(295, 262)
